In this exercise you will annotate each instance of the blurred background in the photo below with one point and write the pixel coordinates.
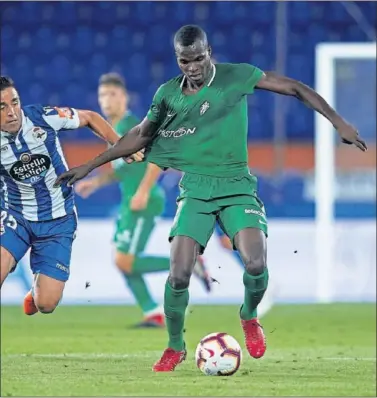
(56, 51)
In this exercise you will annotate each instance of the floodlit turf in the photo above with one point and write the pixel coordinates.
(317, 350)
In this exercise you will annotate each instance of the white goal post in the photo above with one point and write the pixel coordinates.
(324, 170)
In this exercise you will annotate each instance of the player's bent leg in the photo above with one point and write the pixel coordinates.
(50, 259)
(252, 246)
(191, 230)
(184, 252)
(132, 234)
(153, 313)
(7, 263)
(47, 293)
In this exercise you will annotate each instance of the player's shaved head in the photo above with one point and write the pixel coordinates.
(189, 35)
(193, 53)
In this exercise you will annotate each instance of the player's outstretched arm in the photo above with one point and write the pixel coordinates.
(95, 122)
(137, 138)
(287, 86)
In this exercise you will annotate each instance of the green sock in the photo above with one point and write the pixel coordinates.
(140, 292)
(255, 287)
(144, 265)
(175, 304)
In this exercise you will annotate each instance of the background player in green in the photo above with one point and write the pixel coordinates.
(142, 201)
(197, 123)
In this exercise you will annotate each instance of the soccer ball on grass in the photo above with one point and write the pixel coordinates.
(218, 354)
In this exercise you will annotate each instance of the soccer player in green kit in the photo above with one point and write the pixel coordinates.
(142, 201)
(197, 123)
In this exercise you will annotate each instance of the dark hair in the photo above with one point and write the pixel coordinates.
(6, 82)
(114, 79)
(188, 34)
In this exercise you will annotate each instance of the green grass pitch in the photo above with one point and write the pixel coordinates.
(313, 350)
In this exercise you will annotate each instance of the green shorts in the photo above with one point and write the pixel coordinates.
(133, 229)
(232, 202)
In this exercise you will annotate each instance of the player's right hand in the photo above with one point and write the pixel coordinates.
(73, 175)
(86, 188)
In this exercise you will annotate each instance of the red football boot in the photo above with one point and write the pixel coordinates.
(29, 305)
(152, 321)
(169, 360)
(255, 339)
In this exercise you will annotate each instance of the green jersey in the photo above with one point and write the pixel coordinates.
(204, 133)
(131, 175)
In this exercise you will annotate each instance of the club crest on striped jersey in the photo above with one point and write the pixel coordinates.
(204, 107)
(39, 134)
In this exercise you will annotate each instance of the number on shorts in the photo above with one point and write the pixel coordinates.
(7, 220)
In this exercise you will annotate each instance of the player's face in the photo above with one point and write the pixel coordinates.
(112, 100)
(194, 61)
(10, 110)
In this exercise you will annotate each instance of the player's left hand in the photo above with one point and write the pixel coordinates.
(136, 157)
(350, 136)
(72, 175)
(139, 201)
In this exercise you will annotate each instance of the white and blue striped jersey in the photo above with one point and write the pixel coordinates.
(30, 162)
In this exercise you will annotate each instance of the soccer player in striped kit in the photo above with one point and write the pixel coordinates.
(34, 213)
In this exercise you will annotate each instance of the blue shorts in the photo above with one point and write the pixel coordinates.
(50, 242)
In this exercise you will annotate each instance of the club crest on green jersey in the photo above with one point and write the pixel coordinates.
(204, 107)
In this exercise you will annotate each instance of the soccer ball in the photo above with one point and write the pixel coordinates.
(218, 354)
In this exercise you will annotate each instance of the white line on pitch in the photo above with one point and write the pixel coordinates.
(350, 359)
(149, 354)
(83, 355)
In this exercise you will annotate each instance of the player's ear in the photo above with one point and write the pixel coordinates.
(210, 51)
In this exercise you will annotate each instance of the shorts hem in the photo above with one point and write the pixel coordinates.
(242, 228)
(50, 275)
(202, 245)
(17, 260)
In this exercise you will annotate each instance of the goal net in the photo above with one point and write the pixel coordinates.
(344, 177)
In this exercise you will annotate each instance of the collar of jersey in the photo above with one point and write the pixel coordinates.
(210, 80)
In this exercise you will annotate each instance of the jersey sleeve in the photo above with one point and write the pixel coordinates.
(157, 108)
(247, 77)
(61, 118)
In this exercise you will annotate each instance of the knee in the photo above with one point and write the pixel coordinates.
(180, 281)
(45, 306)
(180, 274)
(124, 262)
(255, 265)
